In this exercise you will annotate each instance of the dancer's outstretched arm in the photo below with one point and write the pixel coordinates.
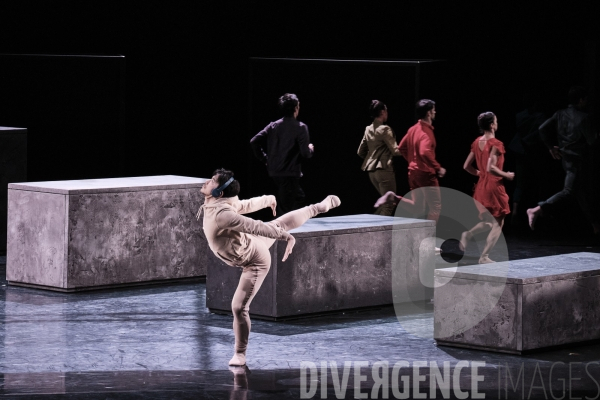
(255, 204)
(468, 166)
(493, 168)
(229, 219)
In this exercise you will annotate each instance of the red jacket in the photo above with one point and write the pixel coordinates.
(418, 148)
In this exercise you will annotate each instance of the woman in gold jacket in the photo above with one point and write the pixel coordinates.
(378, 147)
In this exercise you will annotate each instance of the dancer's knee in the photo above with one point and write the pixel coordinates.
(239, 310)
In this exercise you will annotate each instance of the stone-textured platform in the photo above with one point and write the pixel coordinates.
(525, 305)
(13, 168)
(88, 234)
(337, 263)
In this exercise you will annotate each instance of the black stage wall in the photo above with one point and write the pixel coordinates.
(187, 82)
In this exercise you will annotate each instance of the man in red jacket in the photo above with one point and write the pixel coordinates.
(418, 148)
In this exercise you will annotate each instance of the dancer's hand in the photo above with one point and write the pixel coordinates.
(555, 153)
(441, 172)
(288, 249)
(311, 147)
(273, 205)
(510, 176)
(389, 197)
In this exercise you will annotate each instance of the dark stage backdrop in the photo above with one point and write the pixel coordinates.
(187, 80)
(73, 109)
(334, 100)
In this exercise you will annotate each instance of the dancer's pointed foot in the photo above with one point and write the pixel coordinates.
(485, 259)
(532, 216)
(330, 202)
(464, 240)
(238, 359)
(389, 197)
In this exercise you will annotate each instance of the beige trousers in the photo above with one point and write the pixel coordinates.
(384, 181)
(253, 274)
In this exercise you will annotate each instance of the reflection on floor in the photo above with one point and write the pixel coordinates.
(160, 342)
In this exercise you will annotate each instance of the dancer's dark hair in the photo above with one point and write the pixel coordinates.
(423, 106)
(223, 176)
(577, 93)
(376, 108)
(485, 121)
(288, 103)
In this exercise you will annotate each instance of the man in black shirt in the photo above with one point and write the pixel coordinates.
(279, 146)
(568, 135)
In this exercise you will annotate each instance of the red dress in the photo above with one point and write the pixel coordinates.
(489, 190)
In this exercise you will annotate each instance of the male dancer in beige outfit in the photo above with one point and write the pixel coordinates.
(244, 242)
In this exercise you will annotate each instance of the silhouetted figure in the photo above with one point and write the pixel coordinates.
(378, 147)
(568, 135)
(279, 146)
(488, 153)
(524, 146)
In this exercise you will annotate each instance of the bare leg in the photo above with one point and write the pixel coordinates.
(492, 238)
(533, 214)
(467, 235)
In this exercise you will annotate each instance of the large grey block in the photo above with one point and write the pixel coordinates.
(13, 168)
(521, 305)
(337, 263)
(77, 235)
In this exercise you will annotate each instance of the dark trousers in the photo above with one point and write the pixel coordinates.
(290, 195)
(577, 183)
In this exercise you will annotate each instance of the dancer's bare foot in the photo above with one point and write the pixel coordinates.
(328, 203)
(238, 359)
(389, 197)
(464, 240)
(532, 216)
(485, 260)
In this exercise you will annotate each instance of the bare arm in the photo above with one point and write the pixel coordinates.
(493, 168)
(468, 166)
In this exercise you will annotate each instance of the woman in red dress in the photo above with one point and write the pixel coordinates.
(488, 153)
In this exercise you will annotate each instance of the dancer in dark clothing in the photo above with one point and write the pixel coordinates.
(568, 135)
(279, 146)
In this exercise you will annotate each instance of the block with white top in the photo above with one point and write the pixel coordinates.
(88, 234)
(520, 305)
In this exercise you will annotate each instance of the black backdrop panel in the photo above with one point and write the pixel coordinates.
(73, 109)
(334, 103)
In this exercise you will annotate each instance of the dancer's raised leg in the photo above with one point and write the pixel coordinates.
(297, 218)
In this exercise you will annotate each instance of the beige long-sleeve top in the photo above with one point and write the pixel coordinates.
(231, 236)
(378, 147)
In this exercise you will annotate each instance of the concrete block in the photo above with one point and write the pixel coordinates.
(338, 263)
(86, 234)
(13, 168)
(521, 306)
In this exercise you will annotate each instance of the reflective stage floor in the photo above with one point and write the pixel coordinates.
(160, 342)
